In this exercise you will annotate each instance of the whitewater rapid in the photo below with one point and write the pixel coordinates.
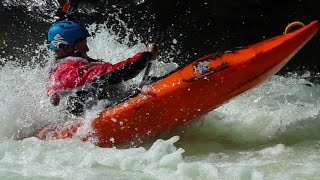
(270, 132)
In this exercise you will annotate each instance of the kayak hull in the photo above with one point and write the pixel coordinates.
(192, 91)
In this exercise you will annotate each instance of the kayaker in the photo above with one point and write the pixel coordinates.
(81, 79)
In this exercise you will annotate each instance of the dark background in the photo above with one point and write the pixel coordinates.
(199, 27)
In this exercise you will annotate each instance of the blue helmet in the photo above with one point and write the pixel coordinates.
(66, 32)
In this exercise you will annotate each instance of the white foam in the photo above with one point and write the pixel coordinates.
(24, 106)
(266, 112)
(272, 132)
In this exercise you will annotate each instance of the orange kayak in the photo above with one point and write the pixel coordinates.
(190, 92)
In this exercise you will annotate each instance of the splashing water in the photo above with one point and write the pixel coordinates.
(270, 132)
(280, 110)
(39, 7)
(25, 106)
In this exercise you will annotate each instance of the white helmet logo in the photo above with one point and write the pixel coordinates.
(58, 39)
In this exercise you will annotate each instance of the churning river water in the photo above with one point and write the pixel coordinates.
(271, 132)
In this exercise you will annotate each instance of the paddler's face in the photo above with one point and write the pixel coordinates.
(81, 46)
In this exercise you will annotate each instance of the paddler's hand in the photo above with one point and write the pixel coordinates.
(153, 49)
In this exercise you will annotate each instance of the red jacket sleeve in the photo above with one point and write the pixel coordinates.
(74, 72)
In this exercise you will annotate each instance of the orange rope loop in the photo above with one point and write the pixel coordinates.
(291, 25)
